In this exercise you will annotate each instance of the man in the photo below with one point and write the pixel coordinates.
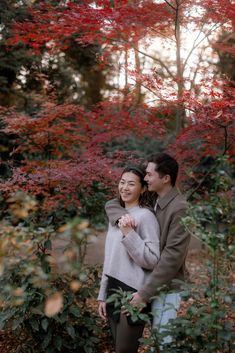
(170, 208)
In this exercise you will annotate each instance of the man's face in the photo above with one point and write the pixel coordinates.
(153, 179)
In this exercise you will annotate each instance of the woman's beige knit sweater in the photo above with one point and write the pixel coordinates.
(131, 258)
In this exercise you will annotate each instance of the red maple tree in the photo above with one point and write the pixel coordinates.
(64, 147)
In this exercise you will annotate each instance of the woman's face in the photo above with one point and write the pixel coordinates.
(130, 188)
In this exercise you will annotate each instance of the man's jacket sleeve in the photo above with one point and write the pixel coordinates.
(114, 211)
(171, 260)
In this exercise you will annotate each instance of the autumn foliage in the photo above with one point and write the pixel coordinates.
(66, 147)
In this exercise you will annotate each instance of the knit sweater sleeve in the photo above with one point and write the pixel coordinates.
(103, 288)
(143, 244)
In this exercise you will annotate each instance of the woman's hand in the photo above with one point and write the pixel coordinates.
(102, 310)
(126, 223)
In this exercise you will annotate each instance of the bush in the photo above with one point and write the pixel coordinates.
(46, 298)
(73, 329)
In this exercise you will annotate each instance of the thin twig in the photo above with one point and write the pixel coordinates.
(168, 3)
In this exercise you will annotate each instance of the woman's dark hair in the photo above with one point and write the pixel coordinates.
(165, 165)
(147, 198)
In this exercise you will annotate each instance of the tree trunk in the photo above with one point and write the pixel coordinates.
(138, 72)
(180, 111)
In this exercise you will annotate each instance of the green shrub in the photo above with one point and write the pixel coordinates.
(48, 298)
(73, 329)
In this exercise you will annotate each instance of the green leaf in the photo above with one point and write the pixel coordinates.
(192, 310)
(88, 349)
(45, 264)
(48, 244)
(34, 323)
(2, 324)
(58, 342)
(63, 317)
(228, 299)
(75, 311)
(112, 4)
(17, 322)
(70, 330)
(46, 340)
(50, 350)
(44, 324)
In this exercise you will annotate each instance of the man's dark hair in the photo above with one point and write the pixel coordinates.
(165, 165)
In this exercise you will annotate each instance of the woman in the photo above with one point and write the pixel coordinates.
(130, 255)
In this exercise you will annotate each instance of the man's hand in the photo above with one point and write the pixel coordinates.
(137, 300)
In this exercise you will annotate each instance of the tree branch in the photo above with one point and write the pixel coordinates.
(195, 72)
(169, 4)
(149, 56)
(156, 60)
(162, 35)
(202, 180)
(195, 45)
(160, 98)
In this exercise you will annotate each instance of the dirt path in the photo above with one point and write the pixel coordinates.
(95, 248)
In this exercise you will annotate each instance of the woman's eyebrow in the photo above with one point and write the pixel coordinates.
(129, 181)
